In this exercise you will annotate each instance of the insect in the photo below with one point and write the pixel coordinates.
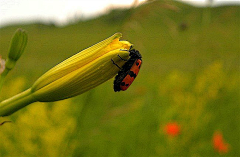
(128, 72)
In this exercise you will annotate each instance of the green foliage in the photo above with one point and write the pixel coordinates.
(190, 75)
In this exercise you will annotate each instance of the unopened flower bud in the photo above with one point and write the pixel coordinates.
(83, 71)
(18, 44)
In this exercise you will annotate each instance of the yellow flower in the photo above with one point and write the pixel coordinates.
(83, 71)
(76, 75)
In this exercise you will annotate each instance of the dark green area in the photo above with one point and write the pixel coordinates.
(190, 74)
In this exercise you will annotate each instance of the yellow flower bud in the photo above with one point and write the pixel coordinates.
(83, 71)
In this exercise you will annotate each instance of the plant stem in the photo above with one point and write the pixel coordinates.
(2, 78)
(16, 102)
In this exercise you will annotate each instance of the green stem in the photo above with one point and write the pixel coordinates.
(16, 102)
(2, 78)
(9, 66)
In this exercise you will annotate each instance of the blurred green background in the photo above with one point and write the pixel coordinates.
(190, 75)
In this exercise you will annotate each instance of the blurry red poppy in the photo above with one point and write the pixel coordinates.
(172, 129)
(219, 143)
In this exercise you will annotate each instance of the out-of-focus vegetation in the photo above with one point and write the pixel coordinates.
(190, 77)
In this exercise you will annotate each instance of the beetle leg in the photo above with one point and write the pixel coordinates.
(116, 64)
(122, 58)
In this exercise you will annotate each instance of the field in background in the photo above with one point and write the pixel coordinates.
(190, 76)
